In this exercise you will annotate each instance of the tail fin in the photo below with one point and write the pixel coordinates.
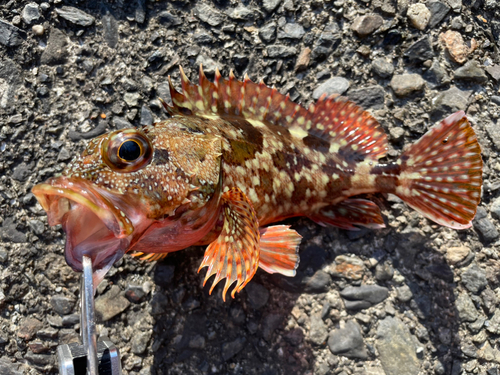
(441, 173)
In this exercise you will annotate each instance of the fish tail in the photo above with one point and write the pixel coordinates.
(440, 175)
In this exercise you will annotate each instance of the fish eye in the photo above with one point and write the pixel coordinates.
(127, 150)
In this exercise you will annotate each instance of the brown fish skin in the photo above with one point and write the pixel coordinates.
(237, 156)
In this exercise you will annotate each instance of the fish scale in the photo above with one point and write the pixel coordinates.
(237, 156)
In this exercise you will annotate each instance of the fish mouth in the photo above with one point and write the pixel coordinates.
(95, 221)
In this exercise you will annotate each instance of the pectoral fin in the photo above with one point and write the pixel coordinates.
(234, 255)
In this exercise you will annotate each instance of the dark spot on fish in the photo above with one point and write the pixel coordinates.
(300, 188)
(161, 156)
(241, 151)
(279, 160)
(351, 156)
(249, 132)
(393, 168)
(316, 143)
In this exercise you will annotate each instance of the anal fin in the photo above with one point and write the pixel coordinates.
(349, 213)
(279, 250)
(234, 255)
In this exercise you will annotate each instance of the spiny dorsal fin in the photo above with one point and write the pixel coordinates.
(351, 131)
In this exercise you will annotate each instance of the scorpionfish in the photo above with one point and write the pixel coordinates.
(236, 156)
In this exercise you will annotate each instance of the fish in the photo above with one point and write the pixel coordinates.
(235, 158)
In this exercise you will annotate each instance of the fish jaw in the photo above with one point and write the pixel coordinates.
(98, 224)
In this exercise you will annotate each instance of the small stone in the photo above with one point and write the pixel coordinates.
(317, 283)
(28, 328)
(37, 226)
(56, 50)
(364, 296)
(39, 359)
(335, 85)
(9, 232)
(471, 71)
(140, 342)
(257, 295)
(351, 268)
(31, 13)
(438, 11)
(405, 84)
(368, 97)
(385, 271)
(242, 12)
(396, 347)
(348, 342)
(38, 30)
(209, 64)
(404, 293)
(230, 349)
(493, 325)
(474, 278)
(484, 227)
(268, 32)
(367, 24)
(208, 14)
(303, 60)
(62, 304)
(466, 310)
(436, 75)
(197, 342)
(291, 31)
(7, 367)
(280, 51)
(135, 293)
(419, 15)
(121, 122)
(382, 67)
(146, 116)
(420, 51)
(132, 99)
(318, 330)
(455, 45)
(110, 304)
(269, 324)
(457, 254)
(449, 101)
(75, 16)
(488, 353)
(489, 300)
(10, 36)
(494, 72)
(110, 26)
(271, 5)
(70, 320)
(167, 19)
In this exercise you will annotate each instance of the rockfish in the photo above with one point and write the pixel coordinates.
(235, 156)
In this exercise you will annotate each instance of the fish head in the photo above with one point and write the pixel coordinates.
(123, 183)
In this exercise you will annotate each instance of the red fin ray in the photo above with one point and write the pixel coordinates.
(279, 247)
(149, 256)
(234, 255)
(441, 173)
(354, 133)
(351, 212)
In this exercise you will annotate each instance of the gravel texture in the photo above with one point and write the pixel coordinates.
(413, 298)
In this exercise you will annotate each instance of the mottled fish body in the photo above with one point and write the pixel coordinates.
(236, 156)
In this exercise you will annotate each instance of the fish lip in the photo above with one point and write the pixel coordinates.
(60, 196)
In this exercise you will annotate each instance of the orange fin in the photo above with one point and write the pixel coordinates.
(279, 250)
(351, 131)
(351, 212)
(441, 173)
(149, 256)
(234, 255)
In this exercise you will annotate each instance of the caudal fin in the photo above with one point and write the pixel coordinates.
(441, 173)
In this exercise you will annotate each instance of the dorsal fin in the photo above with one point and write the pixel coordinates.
(350, 130)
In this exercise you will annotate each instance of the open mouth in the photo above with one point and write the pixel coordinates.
(95, 226)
